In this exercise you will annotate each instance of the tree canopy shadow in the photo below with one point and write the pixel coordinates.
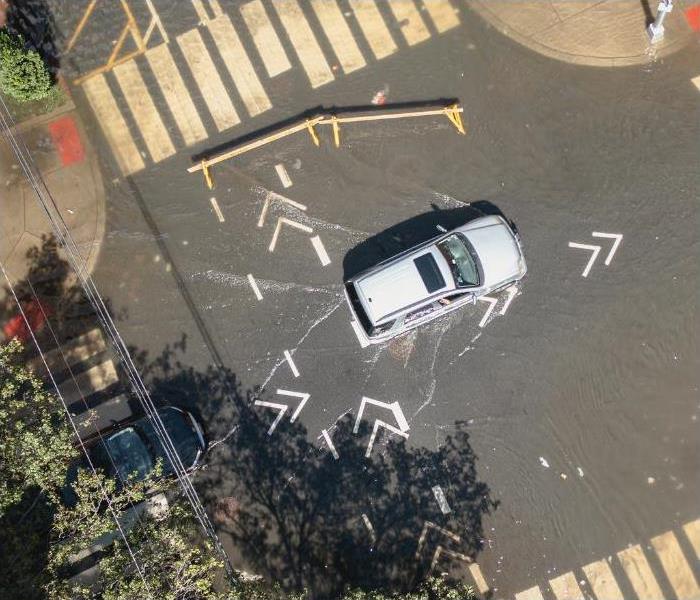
(295, 514)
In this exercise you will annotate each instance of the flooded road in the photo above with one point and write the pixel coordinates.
(559, 424)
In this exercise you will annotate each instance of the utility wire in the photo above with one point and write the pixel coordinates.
(79, 266)
(106, 496)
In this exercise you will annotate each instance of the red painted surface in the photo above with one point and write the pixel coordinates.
(36, 316)
(66, 140)
(692, 15)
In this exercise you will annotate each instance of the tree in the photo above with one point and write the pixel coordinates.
(36, 442)
(23, 73)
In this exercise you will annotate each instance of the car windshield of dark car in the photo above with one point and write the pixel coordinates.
(181, 433)
(125, 451)
(460, 260)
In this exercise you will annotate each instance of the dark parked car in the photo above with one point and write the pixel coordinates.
(132, 449)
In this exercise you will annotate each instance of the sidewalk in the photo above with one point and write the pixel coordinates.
(68, 165)
(601, 33)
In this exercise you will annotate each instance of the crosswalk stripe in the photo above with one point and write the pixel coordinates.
(200, 10)
(266, 41)
(410, 21)
(239, 65)
(639, 573)
(304, 42)
(373, 28)
(696, 81)
(442, 13)
(208, 80)
(113, 124)
(692, 532)
(93, 380)
(339, 34)
(176, 95)
(676, 567)
(565, 587)
(602, 581)
(144, 111)
(532, 593)
(479, 579)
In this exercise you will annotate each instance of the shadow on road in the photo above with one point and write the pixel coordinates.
(291, 512)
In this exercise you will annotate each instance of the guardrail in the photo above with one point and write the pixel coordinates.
(453, 112)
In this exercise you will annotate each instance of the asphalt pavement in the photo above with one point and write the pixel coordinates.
(542, 431)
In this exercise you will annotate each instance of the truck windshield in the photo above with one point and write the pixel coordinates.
(460, 260)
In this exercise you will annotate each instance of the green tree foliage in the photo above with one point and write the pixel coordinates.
(23, 73)
(35, 438)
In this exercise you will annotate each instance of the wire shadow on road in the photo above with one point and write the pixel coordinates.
(287, 510)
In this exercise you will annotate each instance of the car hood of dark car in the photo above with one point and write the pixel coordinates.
(183, 436)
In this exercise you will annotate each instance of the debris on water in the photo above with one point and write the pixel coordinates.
(579, 470)
(651, 480)
(544, 462)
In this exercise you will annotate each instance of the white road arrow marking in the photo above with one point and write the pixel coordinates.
(254, 285)
(424, 534)
(282, 409)
(393, 407)
(331, 447)
(273, 196)
(377, 425)
(512, 292)
(594, 249)
(439, 551)
(613, 236)
(282, 221)
(489, 310)
(304, 397)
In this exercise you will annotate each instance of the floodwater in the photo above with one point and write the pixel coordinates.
(560, 428)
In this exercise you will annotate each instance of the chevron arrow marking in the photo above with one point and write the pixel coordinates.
(512, 291)
(304, 397)
(489, 310)
(424, 534)
(282, 408)
(393, 407)
(613, 236)
(284, 221)
(594, 249)
(271, 196)
(377, 425)
(439, 551)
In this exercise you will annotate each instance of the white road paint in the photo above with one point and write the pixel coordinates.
(594, 254)
(320, 250)
(217, 209)
(375, 429)
(254, 285)
(370, 528)
(442, 13)
(489, 310)
(373, 27)
(543, 462)
(393, 407)
(329, 442)
(440, 551)
(290, 362)
(283, 221)
(532, 593)
(479, 578)
(512, 292)
(272, 197)
(265, 38)
(282, 408)
(283, 175)
(441, 500)
(427, 526)
(614, 236)
(696, 82)
(357, 328)
(304, 398)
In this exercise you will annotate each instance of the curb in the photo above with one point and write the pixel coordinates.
(480, 7)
